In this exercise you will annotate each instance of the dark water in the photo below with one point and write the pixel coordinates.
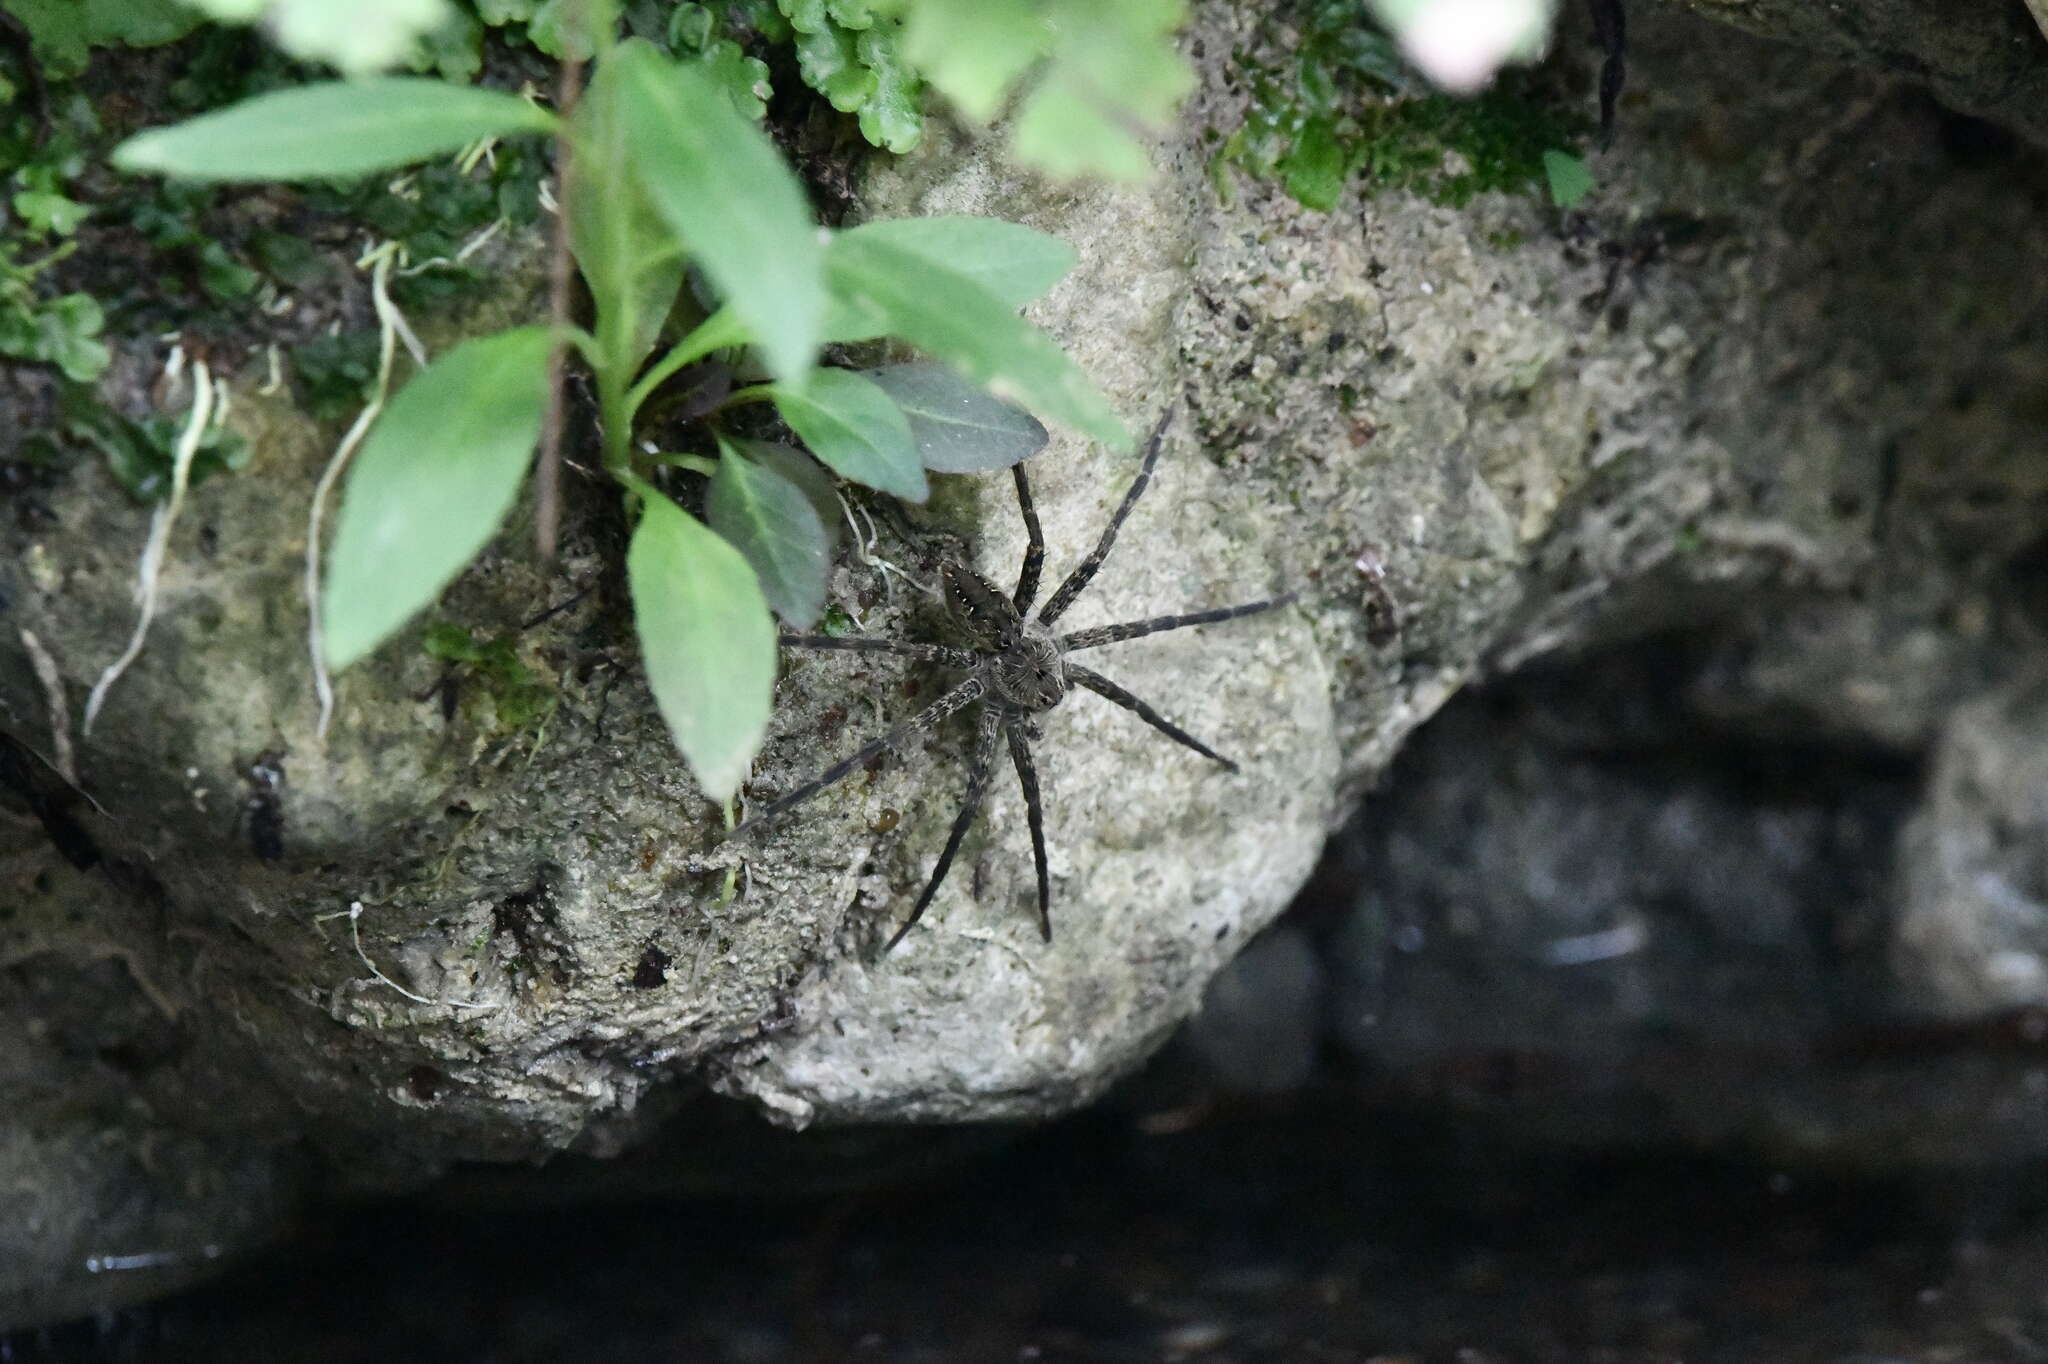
(1307, 1231)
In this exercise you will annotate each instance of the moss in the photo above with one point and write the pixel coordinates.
(1339, 103)
(519, 699)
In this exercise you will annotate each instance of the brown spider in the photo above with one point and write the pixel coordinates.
(1017, 668)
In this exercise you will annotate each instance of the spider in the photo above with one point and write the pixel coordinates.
(1017, 669)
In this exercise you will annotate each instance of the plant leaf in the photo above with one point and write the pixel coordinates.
(630, 259)
(331, 130)
(810, 478)
(727, 194)
(1014, 262)
(707, 640)
(770, 521)
(1570, 180)
(973, 51)
(436, 475)
(857, 430)
(955, 318)
(959, 427)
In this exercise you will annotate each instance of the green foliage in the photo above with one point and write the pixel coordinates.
(331, 131)
(850, 54)
(63, 330)
(856, 429)
(730, 200)
(693, 31)
(669, 172)
(335, 373)
(140, 454)
(1346, 106)
(520, 699)
(782, 533)
(1096, 71)
(1570, 180)
(706, 639)
(930, 302)
(959, 428)
(63, 32)
(430, 485)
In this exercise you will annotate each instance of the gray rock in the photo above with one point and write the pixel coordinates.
(1973, 865)
(1732, 386)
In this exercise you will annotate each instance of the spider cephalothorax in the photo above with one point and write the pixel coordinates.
(1017, 668)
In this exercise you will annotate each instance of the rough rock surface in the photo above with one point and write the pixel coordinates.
(1731, 388)
(1985, 59)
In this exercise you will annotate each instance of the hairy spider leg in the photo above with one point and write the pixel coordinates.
(1079, 579)
(1099, 635)
(929, 653)
(985, 736)
(928, 718)
(1034, 813)
(1034, 549)
(1110, 691)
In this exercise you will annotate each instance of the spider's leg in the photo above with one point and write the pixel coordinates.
(1137, 629)
(1027, 777)
(925, 719)
(1034, 549)
(1081, 576)
(929, 653)
(1110, 691)
(977, 785)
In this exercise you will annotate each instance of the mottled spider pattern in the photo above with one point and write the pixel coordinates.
(1017, 668)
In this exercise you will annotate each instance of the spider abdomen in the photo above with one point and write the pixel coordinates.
(1030, 673)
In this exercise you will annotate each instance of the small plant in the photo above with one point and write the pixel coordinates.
(665, 174)
(63, 331)
(1347, 104)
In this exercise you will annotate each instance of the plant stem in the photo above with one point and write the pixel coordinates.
(547, 516)
(715, 332)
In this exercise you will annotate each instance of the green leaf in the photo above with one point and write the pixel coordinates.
(572, 30)
(809, 477)
(1014, 262)
(770, 521)
(45, 213)
(63, 32)
(892, 117)
(955, 318)
(64, 332)
(744, 79)
(707, 640)
(500, 12)
(973, 51)
(1570, 180)
(628, 256)
(331, 130)
(1114, 68)
(1065, 130)
(142, 455)
(857, 430)
(1315, 167)
(828, 59)
(805, 16)
(959, 427)
(436, 475)
(727, 193)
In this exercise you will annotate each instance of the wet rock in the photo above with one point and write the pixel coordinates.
(1729, 388)
(1973, 865)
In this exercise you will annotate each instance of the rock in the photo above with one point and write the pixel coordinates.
(1731, 388)
(1973, 865)
(1988, 60)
